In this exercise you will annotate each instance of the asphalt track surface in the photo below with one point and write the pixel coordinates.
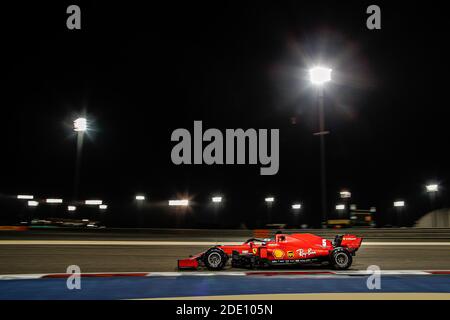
(45, 251)
(53, 252)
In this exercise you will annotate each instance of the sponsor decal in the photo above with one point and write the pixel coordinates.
(244, 251)
(255, 250)
(305, 253)
(278, 253)
(290, 254)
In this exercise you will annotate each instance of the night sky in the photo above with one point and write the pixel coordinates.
(142, 72)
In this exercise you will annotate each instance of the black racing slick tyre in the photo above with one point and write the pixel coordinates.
(341, 259)
(215, 259)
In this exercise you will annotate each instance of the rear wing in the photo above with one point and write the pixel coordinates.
(349, 241)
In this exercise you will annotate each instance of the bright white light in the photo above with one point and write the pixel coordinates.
(71, 208)
(103, 207)
(54, 200)
(93, 202)
(80, 124)
(140, 198)
(432, 188)
(296, 206)
(269, 199)
(24, 196)
(320, 75)
(216, 199)
(33, 203)
(399, 203)
(345, 194)
(340, 207)
(178, 202)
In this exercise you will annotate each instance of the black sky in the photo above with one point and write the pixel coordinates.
(141, 72)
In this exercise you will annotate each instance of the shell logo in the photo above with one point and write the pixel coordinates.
(278, 254)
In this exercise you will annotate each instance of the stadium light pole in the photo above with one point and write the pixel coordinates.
(399, 205)
(80, 127)
(140, 200)
(345, 195)
(432, 190)
(318, 77)
(216, 201)
(296, 207)
(269, 202)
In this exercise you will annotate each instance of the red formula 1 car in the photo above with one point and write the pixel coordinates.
(285, 249)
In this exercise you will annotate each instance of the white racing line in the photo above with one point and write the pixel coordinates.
(186, 243)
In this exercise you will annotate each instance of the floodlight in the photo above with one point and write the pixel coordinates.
(80, 125)
(320, 75)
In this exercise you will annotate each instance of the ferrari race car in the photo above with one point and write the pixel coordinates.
(285, 249)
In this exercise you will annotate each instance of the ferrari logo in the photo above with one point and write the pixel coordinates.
(278, 254)
(290, 254)
(255, 250)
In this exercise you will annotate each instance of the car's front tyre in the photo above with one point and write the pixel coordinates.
(215, 259)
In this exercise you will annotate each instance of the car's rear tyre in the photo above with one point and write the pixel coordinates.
(215, 259)
(341, 259)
